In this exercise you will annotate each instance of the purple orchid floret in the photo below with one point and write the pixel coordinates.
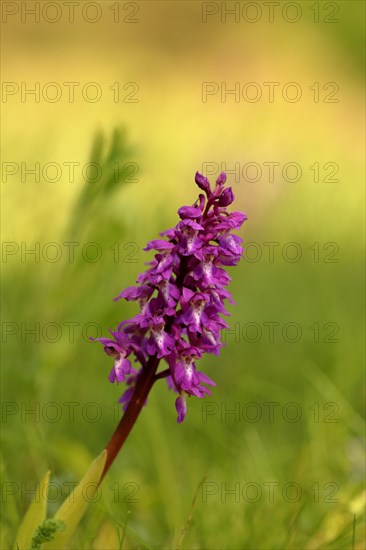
(181, 297)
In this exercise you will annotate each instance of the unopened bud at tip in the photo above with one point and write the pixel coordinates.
(203, 183)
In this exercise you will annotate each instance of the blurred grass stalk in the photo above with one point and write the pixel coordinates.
(111, 161)
(90, 204)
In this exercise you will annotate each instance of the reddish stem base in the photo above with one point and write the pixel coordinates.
(142, 389)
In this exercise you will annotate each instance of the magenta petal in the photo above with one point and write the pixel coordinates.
(181, 406)
(159, 245)
(189, 212)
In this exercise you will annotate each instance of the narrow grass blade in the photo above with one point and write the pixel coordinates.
(75, 505)
(34, 516)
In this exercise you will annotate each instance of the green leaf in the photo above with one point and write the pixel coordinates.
(34, 516)
(75, 505)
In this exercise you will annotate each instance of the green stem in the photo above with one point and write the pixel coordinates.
(142, 389)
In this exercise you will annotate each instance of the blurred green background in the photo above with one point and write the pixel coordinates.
(297, 473)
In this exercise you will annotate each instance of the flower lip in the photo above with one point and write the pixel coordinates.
(122, 368)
